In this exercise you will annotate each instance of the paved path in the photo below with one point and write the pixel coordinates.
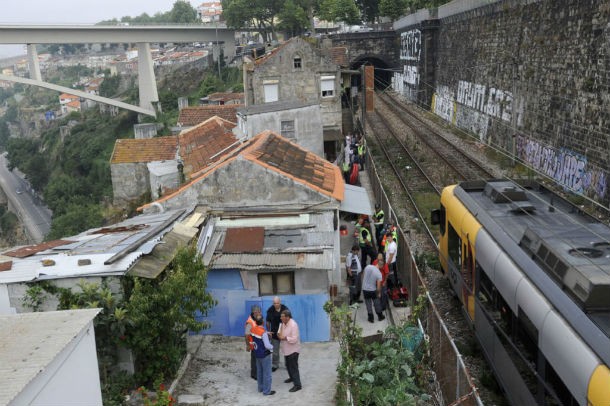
(220, 372)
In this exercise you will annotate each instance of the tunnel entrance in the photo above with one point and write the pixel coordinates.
(383, 72)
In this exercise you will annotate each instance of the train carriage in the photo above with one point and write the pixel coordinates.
(533, 275)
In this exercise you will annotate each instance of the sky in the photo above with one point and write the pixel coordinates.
(25, 12)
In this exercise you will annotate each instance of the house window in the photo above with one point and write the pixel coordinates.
(276, 283)
(287, 129)
(271, 89)
(297, 62)
(327, 85)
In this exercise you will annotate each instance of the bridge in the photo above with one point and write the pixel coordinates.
(92, 34)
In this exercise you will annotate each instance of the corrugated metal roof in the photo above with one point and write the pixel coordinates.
(313, 260)
(103, 251)
(31, 341)
(264, 221)
(244, 239)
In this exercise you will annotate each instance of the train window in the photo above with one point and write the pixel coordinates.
(454, 247)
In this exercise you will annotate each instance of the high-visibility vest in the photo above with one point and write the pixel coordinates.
(361, 149)
(253, 324)
(379, 216)
(258, 346)
(362, 238)
(345, 166)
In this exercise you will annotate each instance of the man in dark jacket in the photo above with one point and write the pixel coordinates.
(273, 324)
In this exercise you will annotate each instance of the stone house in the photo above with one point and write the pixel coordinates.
(272, 230)
(157, 166)
(298, 71)
(298, 122)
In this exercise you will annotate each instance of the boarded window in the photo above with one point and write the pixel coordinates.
(287, 129)
(276, 283)
(271, 92)
(327, 85)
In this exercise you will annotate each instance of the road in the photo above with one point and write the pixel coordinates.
(35, 217)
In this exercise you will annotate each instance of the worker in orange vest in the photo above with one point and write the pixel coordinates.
(262, 350)
(255, 311)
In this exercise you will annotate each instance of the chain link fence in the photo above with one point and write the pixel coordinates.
(450, 383)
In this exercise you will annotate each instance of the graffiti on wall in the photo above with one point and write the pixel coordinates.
(443, 103)
(406, 82)
(474, 105)
(401, 85)
(472, 121)
(565, 166)
(489, 100)
(410, 45)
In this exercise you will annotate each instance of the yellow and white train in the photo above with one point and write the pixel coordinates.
(532, 272)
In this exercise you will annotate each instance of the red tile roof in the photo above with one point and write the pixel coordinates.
(206, 143)
(198, 114)
(280, 155)
(277, 153)
(224, 96)
(144, 150)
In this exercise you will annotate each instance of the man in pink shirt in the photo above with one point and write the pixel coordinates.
(288, 335)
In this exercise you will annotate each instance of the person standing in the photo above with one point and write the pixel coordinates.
(371, 289)
(291, 346)
(273, 324)
(255, 311)
(384, 279)
(391, 251)
(262, 348)
(365, 241)
(378, 221)
(354, 274)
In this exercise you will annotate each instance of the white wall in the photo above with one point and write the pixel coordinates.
(72, 378)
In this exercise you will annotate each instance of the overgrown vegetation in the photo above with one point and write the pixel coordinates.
(390, 372)
(73, 173)
(149, 317)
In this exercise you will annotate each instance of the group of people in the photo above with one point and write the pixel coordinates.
(354, 159)
(264, 340)
(372, 279)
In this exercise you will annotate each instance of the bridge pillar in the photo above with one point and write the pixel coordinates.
(146, 77)
(33, 62)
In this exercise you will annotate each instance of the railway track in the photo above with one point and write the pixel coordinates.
(464, 166)
(423, 162)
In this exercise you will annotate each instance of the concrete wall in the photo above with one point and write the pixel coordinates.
(307, 122)
(529, 77)
(15, 292)
(297, 84)
(129, 181)
(234, 304)
(246, 184)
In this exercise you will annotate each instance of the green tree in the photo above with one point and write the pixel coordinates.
(4, 133)
(339, 10)
(393, 8)
(369, 9)
(293, 18)
(76, 218)
(259, 14)
(163, 310)
(183, 12)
